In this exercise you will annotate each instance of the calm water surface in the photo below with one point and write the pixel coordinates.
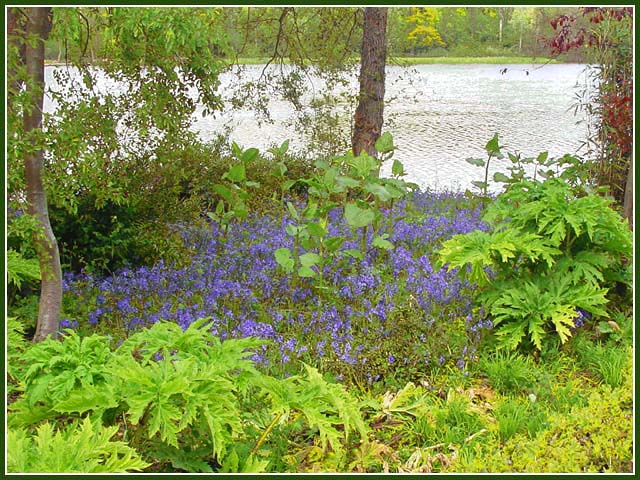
(441, 114)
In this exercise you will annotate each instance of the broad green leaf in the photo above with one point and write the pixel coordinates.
(542, 158)
(478, 162)
(353, 253)
(306, 272)
(286, 185)
(236, 174)
(334, 243)
(347, 182)
(479, 184)
(223, 191)
(316, 229)
(500, 177)
(284, 259)
(397, 169)
(310, 259)
(358, 217)
(249, 155)
(363, 164)
(279, 171)
(379, 191)
(384, 144)
(382, 242)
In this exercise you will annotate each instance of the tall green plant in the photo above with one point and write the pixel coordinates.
(552, 251)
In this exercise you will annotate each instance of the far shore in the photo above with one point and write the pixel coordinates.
(402, 61)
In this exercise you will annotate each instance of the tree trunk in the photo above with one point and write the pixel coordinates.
(628, 196)
(38, 26)
(369, 114)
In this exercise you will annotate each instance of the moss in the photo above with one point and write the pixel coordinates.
(597, 437)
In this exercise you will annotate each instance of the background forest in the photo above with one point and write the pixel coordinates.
(251, 32)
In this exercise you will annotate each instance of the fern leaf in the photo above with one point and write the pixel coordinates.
(510, 335)
(562, 319)
(536, 330)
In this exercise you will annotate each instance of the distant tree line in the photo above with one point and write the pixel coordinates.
(306, 32)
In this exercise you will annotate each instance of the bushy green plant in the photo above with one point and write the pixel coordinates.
(553, 252)
(606, 360)
(352, 183)
(182, 398)
(82, 447)
(233, 190)
(518, 415)
(508, 372)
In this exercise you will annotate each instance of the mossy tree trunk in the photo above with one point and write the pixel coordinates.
(37, 27)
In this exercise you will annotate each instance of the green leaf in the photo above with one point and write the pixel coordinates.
(492, 147)
(353, 253)
(249, 155)
(478, 162)
(363, 164)
(292, 211)
(334, 243)
(20, 269)
(358, 217)
(223, 191)
(279, 171)
(306, 272)
(236, 150)
(310, 259)
(284, 259)
(236, 174)
(384, 144)
(397, 169)
(382, 242)
(480, 185)
(542, 158)
(347, 182)
(500, 177)
(316, 229)
(379, 191)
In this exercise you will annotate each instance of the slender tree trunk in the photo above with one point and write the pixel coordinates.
(369, 114)
(628, 196)
(38, 26)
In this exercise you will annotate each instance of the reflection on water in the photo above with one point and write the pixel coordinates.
(441, 114)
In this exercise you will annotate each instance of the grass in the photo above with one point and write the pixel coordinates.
(471, 60)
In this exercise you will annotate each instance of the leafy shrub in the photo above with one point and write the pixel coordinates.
(182, 398)
(82, 447)
(552, 254)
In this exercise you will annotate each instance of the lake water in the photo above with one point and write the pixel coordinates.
(441, 114)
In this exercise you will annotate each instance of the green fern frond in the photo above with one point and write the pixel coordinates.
(20, 269)
(81, 448)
